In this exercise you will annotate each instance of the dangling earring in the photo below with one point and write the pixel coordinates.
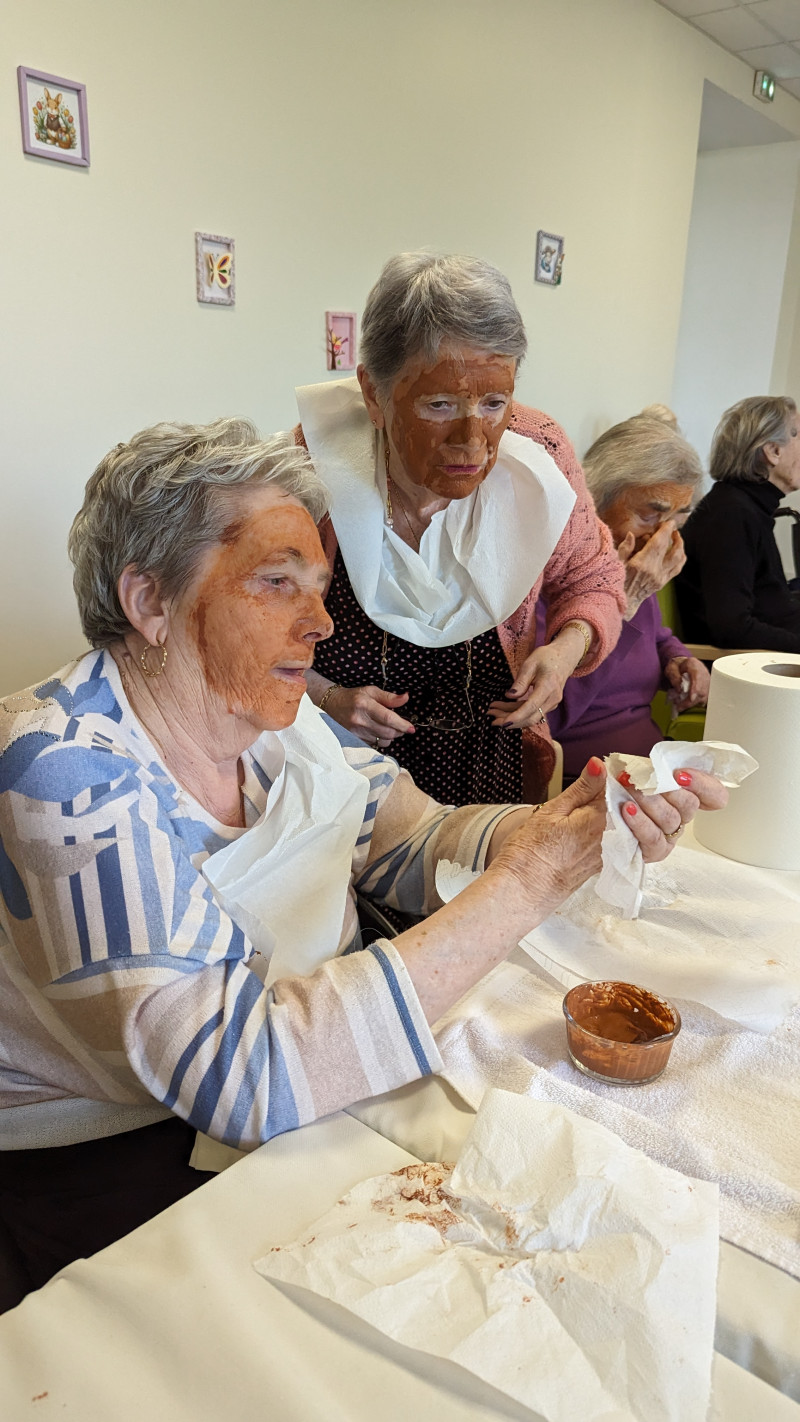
(159, 647)
(389, 509)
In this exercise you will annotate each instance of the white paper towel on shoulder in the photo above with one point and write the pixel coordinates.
(755, 699)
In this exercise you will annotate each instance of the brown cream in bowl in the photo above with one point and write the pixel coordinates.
(619, 1032)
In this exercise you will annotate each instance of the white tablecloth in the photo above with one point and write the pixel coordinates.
(173, 1324)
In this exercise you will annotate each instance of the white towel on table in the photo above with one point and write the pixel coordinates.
(727, 1109)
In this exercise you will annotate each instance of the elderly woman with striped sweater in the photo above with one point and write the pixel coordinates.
(180, 835)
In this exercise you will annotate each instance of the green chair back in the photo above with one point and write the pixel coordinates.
(690, 725)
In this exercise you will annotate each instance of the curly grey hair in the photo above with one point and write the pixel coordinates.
(160, 500)
(421, 302)
(737, 450)
(641, 451)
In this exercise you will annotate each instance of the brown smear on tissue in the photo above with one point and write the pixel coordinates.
(258, 610)
(431, 444)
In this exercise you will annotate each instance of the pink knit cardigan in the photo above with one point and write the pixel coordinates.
(583, 578)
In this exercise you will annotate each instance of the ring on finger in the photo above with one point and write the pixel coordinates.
(675, 833)
(542, 716)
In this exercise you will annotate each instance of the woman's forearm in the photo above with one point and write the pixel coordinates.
(458, 945)
(576, 638)
(317, 686)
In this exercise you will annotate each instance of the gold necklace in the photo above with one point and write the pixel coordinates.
(389, 507)
(403, 509)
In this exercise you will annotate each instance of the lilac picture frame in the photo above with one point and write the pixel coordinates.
(77, 158)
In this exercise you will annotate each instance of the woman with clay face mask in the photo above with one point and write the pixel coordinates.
(452, 508)
(180, 833)
(643, 477)
(733, 590)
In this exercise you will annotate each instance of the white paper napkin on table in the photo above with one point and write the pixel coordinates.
(622, 878)
(709, 930)
(552, 1261)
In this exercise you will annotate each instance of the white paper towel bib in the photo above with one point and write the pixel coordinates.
(285, 881)
(479, 557)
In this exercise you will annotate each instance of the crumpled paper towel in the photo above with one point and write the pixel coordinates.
(621, 880)
(552, 1261)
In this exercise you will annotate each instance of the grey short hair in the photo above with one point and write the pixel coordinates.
(640, 452)
(421, 302)
(159, 501)
(737, 450)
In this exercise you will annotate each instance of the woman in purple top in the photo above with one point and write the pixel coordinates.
(643, 477)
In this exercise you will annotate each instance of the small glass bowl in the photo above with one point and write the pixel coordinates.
(591, 1009)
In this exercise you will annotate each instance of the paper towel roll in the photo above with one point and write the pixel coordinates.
(755, 701)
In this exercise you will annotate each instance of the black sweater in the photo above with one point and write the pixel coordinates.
(733, 590)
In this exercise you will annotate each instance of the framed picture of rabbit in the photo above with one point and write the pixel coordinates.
(53, 114)
(215, 273)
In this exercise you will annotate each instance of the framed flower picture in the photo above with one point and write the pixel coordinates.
(340, 339)
(214, 269)
(53, 115)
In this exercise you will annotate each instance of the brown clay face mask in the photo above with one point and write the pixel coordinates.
(641, 510)
(445, 421)
(258, 611)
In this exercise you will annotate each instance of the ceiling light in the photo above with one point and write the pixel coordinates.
(764, 86)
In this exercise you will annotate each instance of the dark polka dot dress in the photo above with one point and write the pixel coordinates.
(474, 764)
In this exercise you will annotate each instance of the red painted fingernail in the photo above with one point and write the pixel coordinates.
(625, 779)
(595, 766)
(630, 808)
(683, 778)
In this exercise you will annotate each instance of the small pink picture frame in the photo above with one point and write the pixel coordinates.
(340, 340)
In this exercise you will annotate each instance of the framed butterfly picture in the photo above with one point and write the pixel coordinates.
(215, 269)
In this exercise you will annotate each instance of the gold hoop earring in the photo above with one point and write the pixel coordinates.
(159, 647)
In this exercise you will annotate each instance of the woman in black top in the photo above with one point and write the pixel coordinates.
(733, 590)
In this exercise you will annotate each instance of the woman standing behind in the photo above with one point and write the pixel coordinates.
(733, 590)
(451, 508)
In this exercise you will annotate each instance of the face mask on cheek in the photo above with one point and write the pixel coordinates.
(258, 610)
(236, 645)
(432, 447)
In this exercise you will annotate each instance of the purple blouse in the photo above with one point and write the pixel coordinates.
(609, 709)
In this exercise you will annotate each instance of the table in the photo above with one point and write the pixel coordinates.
(173, 1323)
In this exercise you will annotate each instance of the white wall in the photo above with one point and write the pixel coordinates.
(322, 137)
(786, 369)
(736, 273)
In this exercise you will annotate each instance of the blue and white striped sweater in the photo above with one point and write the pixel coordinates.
(123, 982)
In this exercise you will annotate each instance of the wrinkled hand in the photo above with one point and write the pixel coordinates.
(538, 688)
(368, 711)
(699, 681)
(556, 848)
(649, 570)
(657, 820)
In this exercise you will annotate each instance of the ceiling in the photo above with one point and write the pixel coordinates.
(725, 122)
(765, 34)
